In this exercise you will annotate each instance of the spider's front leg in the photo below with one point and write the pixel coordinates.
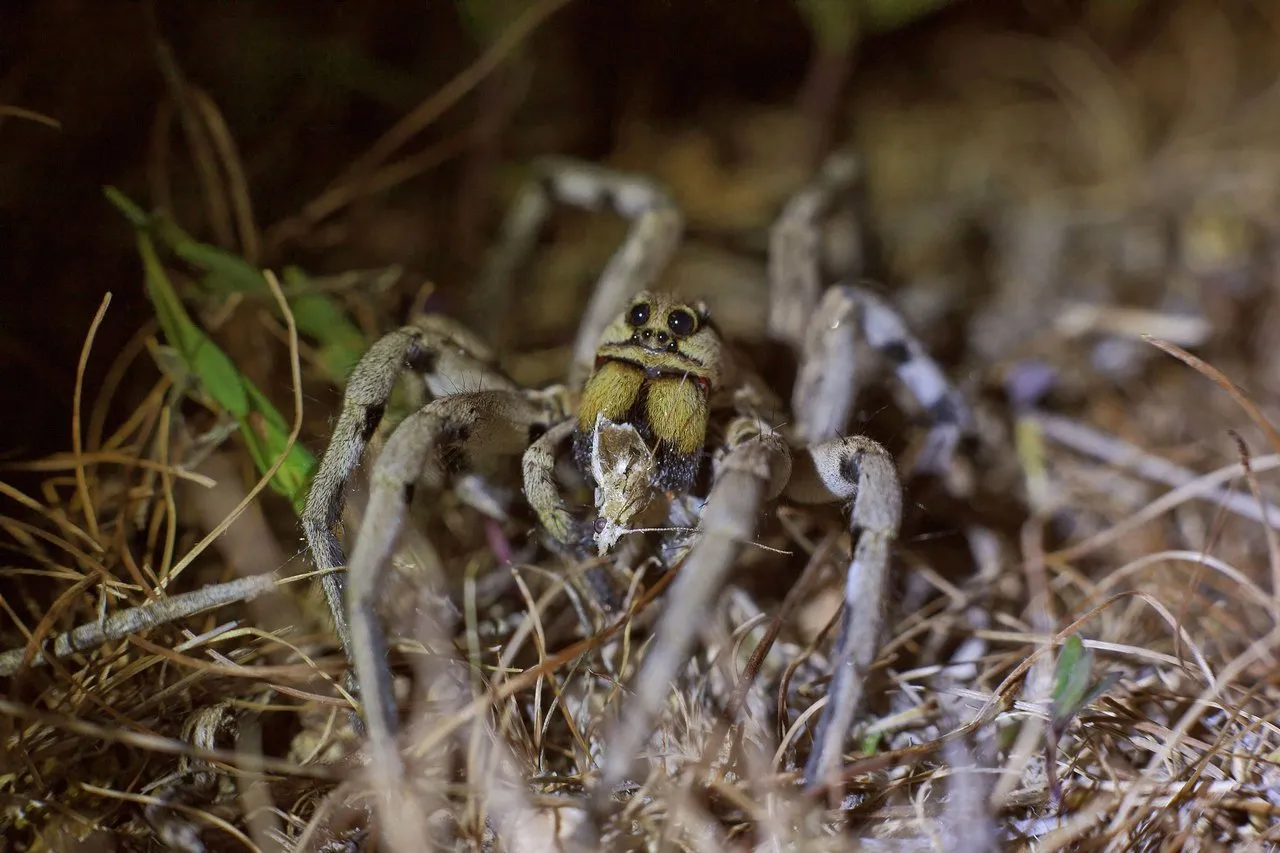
(851, 322)
(656, 226)
(753, 472)
(624, 470)
(840, 331)
(858, 469)
(493, 422)
(541, 489)
(450, 359)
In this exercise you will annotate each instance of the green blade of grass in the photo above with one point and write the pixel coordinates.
(1071, 678)
(322, 318)
(264, 430)
(318, 316)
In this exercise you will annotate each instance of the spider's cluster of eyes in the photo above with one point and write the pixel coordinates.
(681, 321)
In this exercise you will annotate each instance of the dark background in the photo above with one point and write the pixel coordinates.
(304, 88)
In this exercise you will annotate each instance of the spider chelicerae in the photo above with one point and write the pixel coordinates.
(654, 396)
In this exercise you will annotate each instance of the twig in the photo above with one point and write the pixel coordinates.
(71, 529)
(144, 617)
(452, 92)
(166, 746)
(1261, 649)
(135, 346)
(167, 609)
(198, 146)
(63, 461)
(29, 115)
(237, 184)
(714, 745)
(1273, 547)
(1237, 393)
(1165, 503)
(1085, 439)
(530, 676)
(1080, 318)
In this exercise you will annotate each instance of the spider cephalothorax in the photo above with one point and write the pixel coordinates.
(655, 368)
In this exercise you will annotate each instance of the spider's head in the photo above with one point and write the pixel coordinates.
(656, 366)
(664, 333)
(625, 470)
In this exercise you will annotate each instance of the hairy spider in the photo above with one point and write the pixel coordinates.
(653, 393)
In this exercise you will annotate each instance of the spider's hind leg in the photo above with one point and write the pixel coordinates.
(796, 247)
(752, 473)
(836, 331)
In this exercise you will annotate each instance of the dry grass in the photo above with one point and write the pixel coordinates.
(1140, 525)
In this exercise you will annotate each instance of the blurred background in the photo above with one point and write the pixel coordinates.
(1116, 152)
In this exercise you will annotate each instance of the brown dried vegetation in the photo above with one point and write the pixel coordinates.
(1043, 189)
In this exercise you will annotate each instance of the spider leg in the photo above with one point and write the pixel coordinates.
(826, 390)
(750, 474)
(826, 328)
(858, 469)
(498, 422)
(656, 225)
(541, 489)
(453, 359)
(450, 359)
(795, 248)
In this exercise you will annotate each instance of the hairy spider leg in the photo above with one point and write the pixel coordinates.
(493, 422)
(849, 324)
(840, 332)
(795, 248)
(541, 489)
(750, 475)
(860, 470)
(450, 359)
(656, 227)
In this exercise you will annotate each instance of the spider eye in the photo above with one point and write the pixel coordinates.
(681, 322)
(639, 314)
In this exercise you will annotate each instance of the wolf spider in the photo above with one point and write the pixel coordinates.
(651, 389)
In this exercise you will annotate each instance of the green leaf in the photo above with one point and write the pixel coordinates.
(884, 16)
(1074, 687)
(321, 318)
(834, 23)
(871, 742)
(203, 358)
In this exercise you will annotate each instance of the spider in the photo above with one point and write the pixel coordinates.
(654, 396)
